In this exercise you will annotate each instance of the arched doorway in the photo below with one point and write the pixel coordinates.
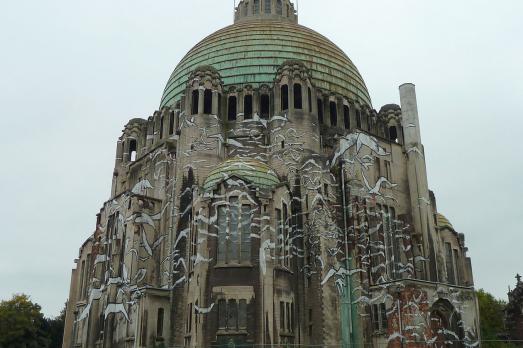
(446, 325)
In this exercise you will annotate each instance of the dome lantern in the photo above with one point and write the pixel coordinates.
(265, 9)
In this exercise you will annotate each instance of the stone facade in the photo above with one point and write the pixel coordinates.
(280, 213)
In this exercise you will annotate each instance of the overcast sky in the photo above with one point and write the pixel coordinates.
(73, 72)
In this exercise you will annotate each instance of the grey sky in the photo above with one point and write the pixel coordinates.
(73, 72)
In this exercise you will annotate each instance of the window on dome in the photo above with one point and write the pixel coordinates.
(207, 102)
(393, 134)
(310, 98)
(232, 108)
(161, 127)
(298, 104)
(333, 113)
(268, 6)
(133, 147)
(256, 8)
(247, 106)
(195, 101)
(279, 7)
(320, 111)
(284, 97)
(358, 119)
(265, 104)
(234, 232)
(346, 117)
(171, 122)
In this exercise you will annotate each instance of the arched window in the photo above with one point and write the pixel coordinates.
(171, 122)
(393, 134)
(309, 95)
(161, 127)
(346, 117)
(256, 8)
(368, 118)
(195, 101)
(245, 10)
(320, 111)
(232, 108)
(265, 104)
(133, 147)
(207, 102)
(358, 119)
(298, 104)
(284, 97)
(247, 106)
(268, 6)
(279, 7)
(334, 113)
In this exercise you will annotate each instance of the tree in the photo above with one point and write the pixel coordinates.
(491, 312)
(55, 329)
(21, 324)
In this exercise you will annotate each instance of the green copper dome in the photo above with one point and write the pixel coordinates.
(250, 53)
(252, 171)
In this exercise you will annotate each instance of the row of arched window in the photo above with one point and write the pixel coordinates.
(267, 7)
(264, 109)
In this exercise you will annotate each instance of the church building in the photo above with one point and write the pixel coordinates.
(268, 204)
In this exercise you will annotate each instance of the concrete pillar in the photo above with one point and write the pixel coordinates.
(215, 102)
(201, 96)
(409, 110)
(423, 222)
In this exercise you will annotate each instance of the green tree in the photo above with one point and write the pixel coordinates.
(22, 324)
(491, 312)
(54, 327)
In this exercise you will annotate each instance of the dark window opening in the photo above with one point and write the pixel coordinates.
(283, 144)
(268, 6)
(159, 323)
(310, 98)
(245, 8)
(279, 7)
(171, 123)
(101, 328)
(346, 117)
(320, 111)
(232, 108)
(334, 114)
(368, 118)
(256, 9)
(133, 147)
(298, 104)
(207, 102)
(143, 339)
(265, 104)
(247, 106)
(195, 101)
(284, 97)
(358, 119)
(393, 134)
(161, 127)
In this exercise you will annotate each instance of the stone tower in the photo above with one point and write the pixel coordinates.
(268, 203)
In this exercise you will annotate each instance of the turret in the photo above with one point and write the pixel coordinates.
(265, 9)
